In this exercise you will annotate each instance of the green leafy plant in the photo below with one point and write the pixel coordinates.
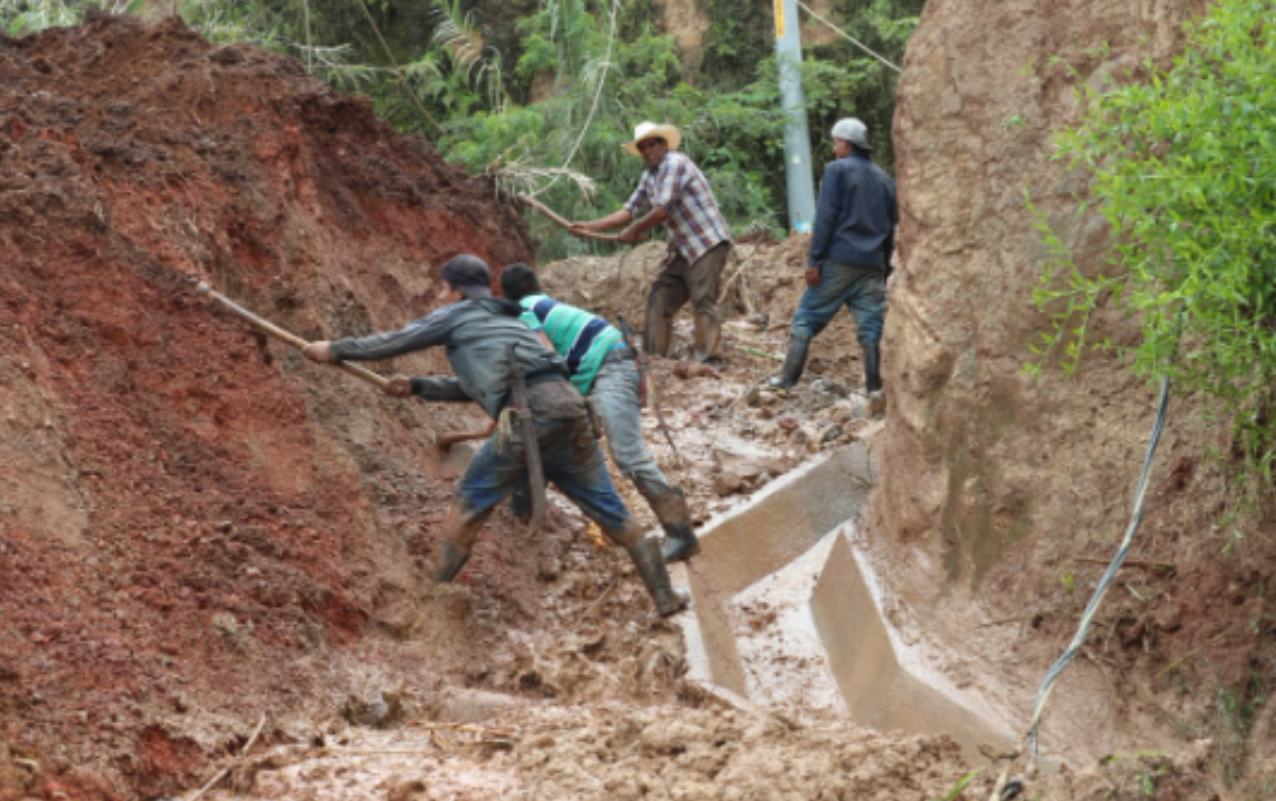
(957, 789)
(1183, 161)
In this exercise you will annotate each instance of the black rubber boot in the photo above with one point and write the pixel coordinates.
(452, 558)
(680, 543)
(675, 518)
(794, 362)
(651, 567)
(872, 368)
(520, 507)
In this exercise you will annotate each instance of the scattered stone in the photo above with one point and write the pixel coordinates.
(380, 709)
(728, 483)
(829, 386)
(740, 460)
(687, 370)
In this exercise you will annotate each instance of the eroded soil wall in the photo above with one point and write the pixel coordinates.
(194, 522)
(1009, 494)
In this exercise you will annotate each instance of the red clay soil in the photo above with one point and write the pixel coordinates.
(193, 521)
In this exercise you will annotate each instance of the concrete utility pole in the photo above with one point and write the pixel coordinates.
(797, 140)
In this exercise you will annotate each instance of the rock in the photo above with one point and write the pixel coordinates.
(741, 460)
(686, 370)
(379, 709)
(828, 386)
(809, 436)
(728, 483)
(469, 706)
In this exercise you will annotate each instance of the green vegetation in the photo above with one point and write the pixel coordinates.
(1183, 161)
(547, 115)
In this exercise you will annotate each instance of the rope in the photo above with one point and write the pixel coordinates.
(847, 36)
(593, 107)
(399, 73)
(1087, 617)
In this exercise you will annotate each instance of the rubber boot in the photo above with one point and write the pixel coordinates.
(680, 539)
(452, 558)
(659, 334)
(520, 507)
(794, 362)
(651, 567)
(681, 543)
(705, 344)
(872, 368)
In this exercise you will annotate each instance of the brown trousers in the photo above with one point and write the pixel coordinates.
(676, 283)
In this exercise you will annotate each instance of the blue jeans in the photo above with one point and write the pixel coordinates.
(861, 289)
(572, 462)
(615, 396)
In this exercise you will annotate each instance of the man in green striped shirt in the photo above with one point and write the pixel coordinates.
(603, 368)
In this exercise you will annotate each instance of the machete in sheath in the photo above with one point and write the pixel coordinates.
(527, 429)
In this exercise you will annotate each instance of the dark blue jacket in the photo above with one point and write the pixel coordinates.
(856, 218)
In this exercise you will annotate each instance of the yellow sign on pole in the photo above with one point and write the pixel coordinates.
(779, 19)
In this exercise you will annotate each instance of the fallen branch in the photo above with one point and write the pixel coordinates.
(755, 352)
(1004, 620)
(221, 774)
(599, 599)
(1166, 566)
(1212, 641)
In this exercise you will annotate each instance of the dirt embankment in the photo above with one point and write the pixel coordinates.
(194, 524)
(1016, 491)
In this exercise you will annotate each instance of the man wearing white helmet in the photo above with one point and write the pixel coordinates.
(849, 258)
(673, 192)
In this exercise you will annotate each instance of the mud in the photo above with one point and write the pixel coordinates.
(201, 534)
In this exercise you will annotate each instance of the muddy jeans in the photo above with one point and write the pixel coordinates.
(572, 462)
(615, 396)
(861, 289)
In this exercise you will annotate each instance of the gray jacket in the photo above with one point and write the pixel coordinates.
(477, 334)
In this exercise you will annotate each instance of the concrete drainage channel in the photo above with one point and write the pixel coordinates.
(785, 611)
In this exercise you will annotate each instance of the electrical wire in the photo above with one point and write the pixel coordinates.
(848, 37)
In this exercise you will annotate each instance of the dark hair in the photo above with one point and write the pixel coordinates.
(466, 270)
(518, 281)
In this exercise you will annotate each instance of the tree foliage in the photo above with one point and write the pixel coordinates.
(1183, 161)
(548, 115)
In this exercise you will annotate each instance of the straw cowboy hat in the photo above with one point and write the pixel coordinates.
(650, 130)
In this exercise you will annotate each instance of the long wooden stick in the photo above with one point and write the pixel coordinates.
(275, 331)
(222, 773)
(446, 441)
(564, 224)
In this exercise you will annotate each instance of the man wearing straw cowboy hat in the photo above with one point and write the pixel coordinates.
(674, 192)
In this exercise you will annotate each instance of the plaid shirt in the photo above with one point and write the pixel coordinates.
(695, 223)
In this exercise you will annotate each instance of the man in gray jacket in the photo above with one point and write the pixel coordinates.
(477, 331)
